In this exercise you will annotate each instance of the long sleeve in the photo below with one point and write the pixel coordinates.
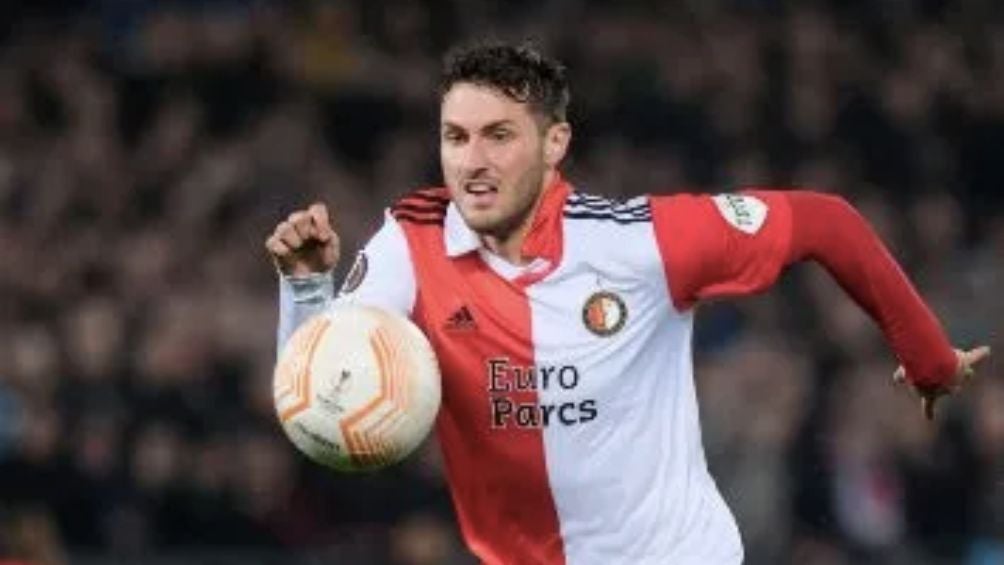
(828, 230)
(721, 246)
(731, 245)
(300, 299)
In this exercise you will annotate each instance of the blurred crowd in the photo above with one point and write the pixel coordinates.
(147, 148)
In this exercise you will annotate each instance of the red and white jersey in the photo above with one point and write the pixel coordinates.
(569, 423)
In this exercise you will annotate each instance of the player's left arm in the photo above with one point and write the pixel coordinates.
(738, 244)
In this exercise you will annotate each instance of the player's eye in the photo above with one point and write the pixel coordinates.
(453, 136)
(500, 134)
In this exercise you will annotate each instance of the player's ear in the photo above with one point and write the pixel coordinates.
(556, 140)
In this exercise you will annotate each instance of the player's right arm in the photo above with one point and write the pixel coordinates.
(305, 249)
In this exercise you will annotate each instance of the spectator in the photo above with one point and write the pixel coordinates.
(135, 400)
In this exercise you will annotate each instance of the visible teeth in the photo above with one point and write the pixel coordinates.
(479, 187)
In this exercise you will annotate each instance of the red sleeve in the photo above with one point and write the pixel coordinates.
(732, 245)
(726, 245)
(828, 230)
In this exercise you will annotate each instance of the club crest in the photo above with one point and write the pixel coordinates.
(604, 313)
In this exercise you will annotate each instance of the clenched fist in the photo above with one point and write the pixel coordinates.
(305, 243)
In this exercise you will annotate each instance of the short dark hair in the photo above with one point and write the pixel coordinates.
(521, 72)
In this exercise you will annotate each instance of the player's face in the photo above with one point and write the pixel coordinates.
(493, 157)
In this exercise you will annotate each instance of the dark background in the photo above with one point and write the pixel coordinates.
(147, 148)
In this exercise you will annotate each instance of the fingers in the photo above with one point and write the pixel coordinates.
(928, 397)
(927, 405)
(974, 357)
(968, 360)
(318, 213)
(276, 246)
(314, 223)
(279, 250)
(899, 377)
(302, 224)
(300, 227)
(293, 244)
(288, 234)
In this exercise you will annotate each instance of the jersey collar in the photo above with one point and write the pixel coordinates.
(542, 241)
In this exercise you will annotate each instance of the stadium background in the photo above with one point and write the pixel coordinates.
(147, 148)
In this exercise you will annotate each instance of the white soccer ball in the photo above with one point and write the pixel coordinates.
(357, 388)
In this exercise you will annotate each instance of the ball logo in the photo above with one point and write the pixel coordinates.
(604, 313)
(332, 399)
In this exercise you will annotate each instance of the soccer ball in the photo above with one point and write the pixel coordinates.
(357, 388)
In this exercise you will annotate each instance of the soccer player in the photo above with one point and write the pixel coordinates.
(562, 322)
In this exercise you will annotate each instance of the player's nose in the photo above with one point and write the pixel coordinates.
(474, 156)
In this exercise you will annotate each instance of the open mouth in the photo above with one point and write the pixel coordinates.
(479, 187)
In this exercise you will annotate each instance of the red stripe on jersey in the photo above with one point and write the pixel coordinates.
(497, 474)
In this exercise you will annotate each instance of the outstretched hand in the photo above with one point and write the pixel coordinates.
(965, 369)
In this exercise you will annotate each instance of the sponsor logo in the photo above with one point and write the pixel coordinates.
(460, 320)
(604, 313)
(513, 404)
(357, 274)
(745, 213)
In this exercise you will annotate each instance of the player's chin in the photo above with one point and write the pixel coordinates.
(485, 222)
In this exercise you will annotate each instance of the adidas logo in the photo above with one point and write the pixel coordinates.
(461, 320)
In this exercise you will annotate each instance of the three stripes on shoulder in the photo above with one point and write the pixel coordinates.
(428, 206)
(425, 206)
(581, 206)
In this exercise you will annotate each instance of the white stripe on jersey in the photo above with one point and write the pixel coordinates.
(631, 487)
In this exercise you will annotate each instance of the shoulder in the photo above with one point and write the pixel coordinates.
(746, 210)
(422, 206)
(592, 207)
(615, 236)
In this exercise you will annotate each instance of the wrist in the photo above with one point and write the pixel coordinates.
(943, 372)
(310, 288)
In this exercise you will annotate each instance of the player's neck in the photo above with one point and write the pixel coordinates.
(507, 247)
(510, 245)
